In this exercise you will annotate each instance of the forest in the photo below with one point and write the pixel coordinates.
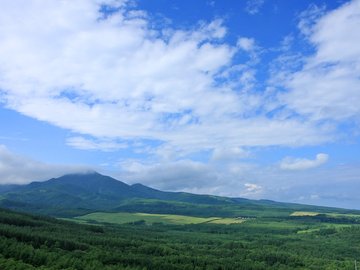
(300, 242)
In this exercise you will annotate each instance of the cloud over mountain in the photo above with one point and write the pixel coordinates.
(17, 169)
(194, 106)
(303, 163)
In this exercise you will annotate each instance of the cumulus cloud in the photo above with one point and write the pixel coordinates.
(252, 190)
(114, 76)
(236, 180)
(246, 44)
(290, 163)
(214, 178)
(327, 86)
(254, 6)
(333, 186)
(17, 169)
(184, 175)
(249, 180)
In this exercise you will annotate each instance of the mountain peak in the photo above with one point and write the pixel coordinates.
(89, 178)
(85, 172)
(138, 185)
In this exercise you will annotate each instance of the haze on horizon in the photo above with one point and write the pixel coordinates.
(255, 98)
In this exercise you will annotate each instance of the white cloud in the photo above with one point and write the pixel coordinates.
(246, 44)
(216, 177)
(226, 154)
(333, 186)
(253, 6)
(122, 79)
(336, 186)
(327, 86)
(302, 163)
(17, 169)
(116, 77)
(91, 144)
(252, 190)
(254, 51)
(184, 175)
(309, 17)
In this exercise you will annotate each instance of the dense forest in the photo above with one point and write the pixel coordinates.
(34, 242)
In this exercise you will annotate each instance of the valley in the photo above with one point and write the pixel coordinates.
(91, 221)
(179, 135)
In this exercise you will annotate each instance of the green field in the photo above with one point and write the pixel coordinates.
(278, 243)
(124, 218)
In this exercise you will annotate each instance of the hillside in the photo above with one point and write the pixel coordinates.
(77, 194)
(107, 224)
(33, 242)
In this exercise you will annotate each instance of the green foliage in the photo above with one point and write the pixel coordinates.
(33, 242)
(80, 194)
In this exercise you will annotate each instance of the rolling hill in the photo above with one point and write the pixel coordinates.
(78, 194)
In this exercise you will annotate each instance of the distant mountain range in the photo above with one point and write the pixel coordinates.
(76, 194)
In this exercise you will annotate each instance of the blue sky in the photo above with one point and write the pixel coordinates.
(252, 98)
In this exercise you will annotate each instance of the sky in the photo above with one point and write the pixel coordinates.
(253, 98)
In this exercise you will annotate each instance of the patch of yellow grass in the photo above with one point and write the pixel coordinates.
(121, 218)
(301, 214)
(227, 221)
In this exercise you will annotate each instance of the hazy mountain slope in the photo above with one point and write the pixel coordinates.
(147, 192)
(77, 190)
(91, 191)
(77, 194)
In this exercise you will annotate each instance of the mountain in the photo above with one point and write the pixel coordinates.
(76, 194)
(93, 191)
(7, 188)
(88, 192)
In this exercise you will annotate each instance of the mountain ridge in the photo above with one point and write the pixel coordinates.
(72, 194)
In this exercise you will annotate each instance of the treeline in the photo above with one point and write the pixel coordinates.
(324, 218)
(33, 242)
(177, 208)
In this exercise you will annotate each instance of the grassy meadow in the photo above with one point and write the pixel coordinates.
(146, 218)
